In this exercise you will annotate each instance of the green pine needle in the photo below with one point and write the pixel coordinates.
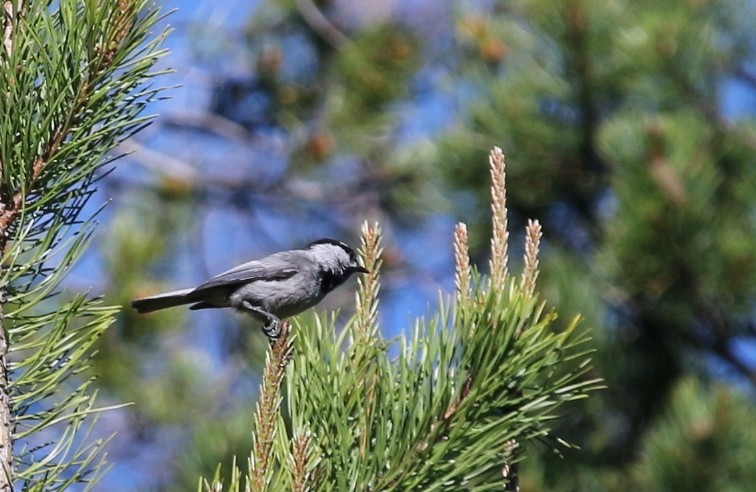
(76, 81)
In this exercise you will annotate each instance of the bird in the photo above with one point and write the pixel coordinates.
(269, 289)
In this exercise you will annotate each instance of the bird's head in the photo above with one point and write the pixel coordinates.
(336, 259)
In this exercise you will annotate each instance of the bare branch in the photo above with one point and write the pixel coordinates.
(211, 123)
(511, 471)
(321, 25)
(11, 10)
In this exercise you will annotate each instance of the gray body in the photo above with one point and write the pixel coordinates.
(278, 286)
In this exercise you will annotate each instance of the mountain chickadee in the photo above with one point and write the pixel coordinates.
(278, 286)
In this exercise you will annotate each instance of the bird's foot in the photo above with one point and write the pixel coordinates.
(271, 323)
(272, 329)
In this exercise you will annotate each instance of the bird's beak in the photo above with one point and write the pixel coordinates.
(359, 269)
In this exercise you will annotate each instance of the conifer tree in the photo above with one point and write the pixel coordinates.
(73, 83)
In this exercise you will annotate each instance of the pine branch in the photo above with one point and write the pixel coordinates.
(11, 9)
(511, 469)
(366, 325)
(500, 239)
(104, 55)
(267, 413)
(303, 462)
(463, 272)
(73, 78)
(533, 236)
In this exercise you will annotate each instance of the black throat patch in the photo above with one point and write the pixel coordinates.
(329, 280)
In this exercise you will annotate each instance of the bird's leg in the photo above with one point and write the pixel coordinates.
(271, 323)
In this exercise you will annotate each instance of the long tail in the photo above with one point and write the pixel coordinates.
(165, 300)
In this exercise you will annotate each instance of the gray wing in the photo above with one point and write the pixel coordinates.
(278, 266)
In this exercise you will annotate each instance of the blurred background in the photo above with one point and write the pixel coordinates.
(629, 131)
